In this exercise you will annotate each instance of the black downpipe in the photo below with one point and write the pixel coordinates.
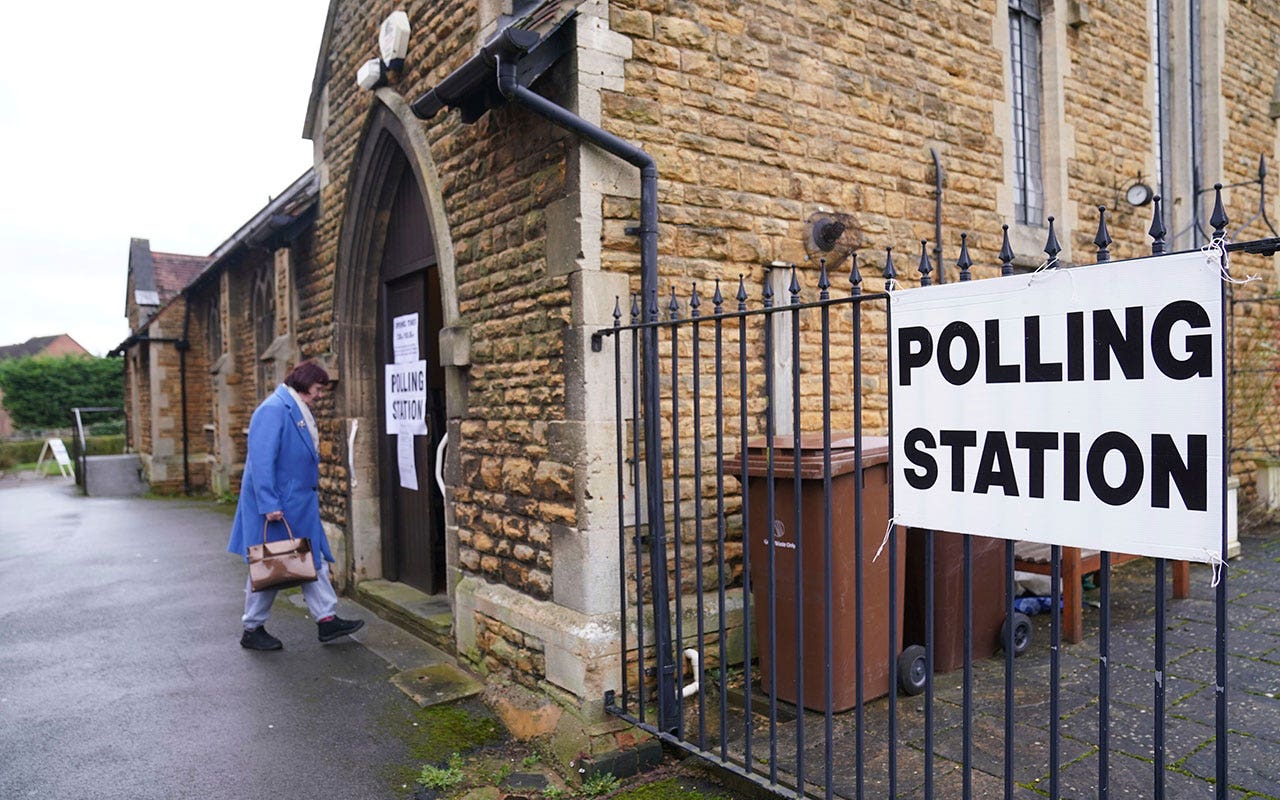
(668, 708)
(182, 346)
(937, 216)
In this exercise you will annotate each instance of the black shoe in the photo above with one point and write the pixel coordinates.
(336, 627)
(259, 639)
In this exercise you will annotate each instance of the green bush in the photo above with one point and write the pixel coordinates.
(111, 427)
(28, 451)
(23, 452)
(39, 392)
(105, 445)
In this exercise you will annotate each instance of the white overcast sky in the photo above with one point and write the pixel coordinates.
(169, 121)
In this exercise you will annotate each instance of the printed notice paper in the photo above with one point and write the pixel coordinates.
(404, 338)
(405, 461)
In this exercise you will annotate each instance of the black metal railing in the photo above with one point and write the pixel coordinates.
(797, 655)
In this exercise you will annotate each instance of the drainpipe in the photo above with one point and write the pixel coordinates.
(182, 346)
(668, 708)
(937, 215)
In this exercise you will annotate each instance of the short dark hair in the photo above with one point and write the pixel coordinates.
(307, 374)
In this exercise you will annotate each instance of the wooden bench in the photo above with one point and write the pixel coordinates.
(1076, 563)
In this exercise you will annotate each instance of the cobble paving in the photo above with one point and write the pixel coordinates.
(1189, 679)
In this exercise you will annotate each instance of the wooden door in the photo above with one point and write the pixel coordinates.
(413, 519)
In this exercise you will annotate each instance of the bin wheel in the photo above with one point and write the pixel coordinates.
(911, 670)
(1017, 633)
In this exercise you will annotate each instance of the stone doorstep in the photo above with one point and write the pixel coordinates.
(425, 616)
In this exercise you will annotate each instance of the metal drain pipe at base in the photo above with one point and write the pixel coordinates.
(668, 706)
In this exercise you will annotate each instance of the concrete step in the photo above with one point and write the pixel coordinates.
(429, 617)
(114, 476)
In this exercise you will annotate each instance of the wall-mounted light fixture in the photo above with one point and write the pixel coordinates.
(393, 45)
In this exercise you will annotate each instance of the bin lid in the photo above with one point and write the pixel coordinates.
(875, 451)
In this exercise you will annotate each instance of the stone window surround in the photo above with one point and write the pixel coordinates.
(1057, 143)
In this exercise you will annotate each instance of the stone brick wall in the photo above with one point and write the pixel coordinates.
(1248, 88)
(498, 176)
(510, 652)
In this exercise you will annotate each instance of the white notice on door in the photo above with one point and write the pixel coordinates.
(404, 338)
(406, 396)
(405, 461)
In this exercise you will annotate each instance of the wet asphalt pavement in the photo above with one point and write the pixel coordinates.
(121, 673)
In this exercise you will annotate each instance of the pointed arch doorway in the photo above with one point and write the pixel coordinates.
(409, 289)
(394, 261)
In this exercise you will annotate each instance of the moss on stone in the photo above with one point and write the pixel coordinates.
(667, 789)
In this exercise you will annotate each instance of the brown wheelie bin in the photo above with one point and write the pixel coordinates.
(989, 604)
(780, 532)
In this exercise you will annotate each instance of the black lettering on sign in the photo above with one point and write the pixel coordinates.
(1191, 475)
(1199, 360)
(958, 441)
(958, 331)
(917, 439)
(1126, 346)
(997, 372)
(915, 349)
(1115, 441)
(995, 467)
(1037, 371)
(1035, 443)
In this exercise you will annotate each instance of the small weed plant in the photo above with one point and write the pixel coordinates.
(445, 777)
(599, 784)
(553, 793)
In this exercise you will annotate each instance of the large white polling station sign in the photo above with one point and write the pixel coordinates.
(1080, 407)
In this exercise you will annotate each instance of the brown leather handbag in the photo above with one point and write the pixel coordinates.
(280, 564)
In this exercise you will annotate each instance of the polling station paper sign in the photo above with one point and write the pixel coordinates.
(406, 397)
(1081, 407)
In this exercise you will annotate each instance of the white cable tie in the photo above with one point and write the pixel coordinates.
(1219, 566)
(1218, 247)
(887, 530)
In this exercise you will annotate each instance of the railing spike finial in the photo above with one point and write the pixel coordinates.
(824, 282)
(1051, 247)
(767, 294)
(673, 308)
(1102, 240)
(717, 299)
(889, 272)
(855, 275)
(1157, 230)
(617, 311)
(794, 288)
(925, 266)
(964, 262)
(742, 292)
(695, 302)
(635, 308)
(1218, 219)
(1262, 167)
(1006, 253)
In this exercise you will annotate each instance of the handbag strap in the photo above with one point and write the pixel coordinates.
(266, 522)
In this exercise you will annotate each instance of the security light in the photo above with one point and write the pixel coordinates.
(393, 42)
(371, 75)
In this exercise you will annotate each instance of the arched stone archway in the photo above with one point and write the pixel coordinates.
(393, 156)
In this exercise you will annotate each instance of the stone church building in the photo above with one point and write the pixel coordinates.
(509, 235)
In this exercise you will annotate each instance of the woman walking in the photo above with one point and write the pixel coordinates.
(281, 479)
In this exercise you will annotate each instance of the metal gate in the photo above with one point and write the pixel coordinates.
(798, 640)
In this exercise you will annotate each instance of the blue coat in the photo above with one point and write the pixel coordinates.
(281, 473)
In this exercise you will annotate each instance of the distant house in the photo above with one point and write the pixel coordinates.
(60, 344)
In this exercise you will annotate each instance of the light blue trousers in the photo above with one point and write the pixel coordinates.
(321, 600)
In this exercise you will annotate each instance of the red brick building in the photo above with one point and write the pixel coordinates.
(57, 345)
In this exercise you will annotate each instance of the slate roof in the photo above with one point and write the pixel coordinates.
(173, 271)
(31, 347)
